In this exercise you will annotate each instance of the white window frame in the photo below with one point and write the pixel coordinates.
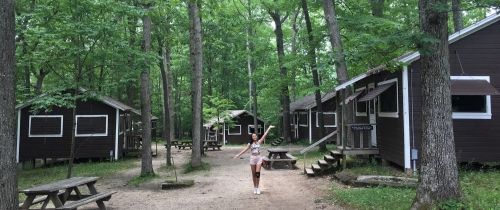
(360, 114)
(233, 134)
(251, 126)
(474, 115)
(92, 134)
(307, 121)
(389, 114)
(325, 113)
(61, 117)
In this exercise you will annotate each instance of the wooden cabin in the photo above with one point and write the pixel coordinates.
(235, 128)
(105, 128)
(304, 117)
(389, 105)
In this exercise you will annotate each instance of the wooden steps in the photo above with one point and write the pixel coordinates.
(329, 158)
(277, 141)
(309, 171)
(322, 163)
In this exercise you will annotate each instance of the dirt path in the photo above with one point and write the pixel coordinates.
(227, 185)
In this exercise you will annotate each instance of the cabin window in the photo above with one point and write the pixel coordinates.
(45, 126)
(361, 106)
(388, 100)
(471, 106)
(235, 130)
(251, 129)
(303, 119)
(91, 125)
(330, 119)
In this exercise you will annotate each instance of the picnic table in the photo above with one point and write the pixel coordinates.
(185, 144)
(60, 192)
(211, 144)
(279, 155)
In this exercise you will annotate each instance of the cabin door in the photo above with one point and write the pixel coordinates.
(372, 115)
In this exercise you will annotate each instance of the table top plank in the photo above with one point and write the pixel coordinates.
(277, 150)
(59, 185)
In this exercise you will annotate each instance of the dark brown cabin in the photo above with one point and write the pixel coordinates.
(236, 128)
(392, 102)
(304, 117)
(105, 128)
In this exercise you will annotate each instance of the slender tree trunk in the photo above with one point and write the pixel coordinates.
(438, 167)
(293, 72)
(377, 7)
(147, 159)
(197, 70)
(39, 81)
(312, 63)
(285, 96)
(250, 65)
(131, 90)
(168, 116)
(458, 22)
(8, 172)
(340, 65)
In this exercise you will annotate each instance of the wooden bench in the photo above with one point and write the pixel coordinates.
(293, 158)
(268, 163)
(99, 198)
(213, 146)
(42, 199)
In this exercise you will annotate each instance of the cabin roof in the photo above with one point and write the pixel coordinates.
(309, 102)
(232, 114)
(410, 57)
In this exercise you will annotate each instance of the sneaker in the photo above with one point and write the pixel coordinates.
(254, 190)
(258, 191)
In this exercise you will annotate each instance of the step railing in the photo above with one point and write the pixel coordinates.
(307, 149)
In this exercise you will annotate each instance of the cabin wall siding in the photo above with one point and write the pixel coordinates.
(479, 53)
(59, 147)
(390, 133)
(244, 120)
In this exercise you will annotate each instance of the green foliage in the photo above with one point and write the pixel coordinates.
(216, 107)
(375, 198)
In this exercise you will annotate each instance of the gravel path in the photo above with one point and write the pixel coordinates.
(227, 185)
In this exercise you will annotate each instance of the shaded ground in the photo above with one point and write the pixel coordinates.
(227, 185)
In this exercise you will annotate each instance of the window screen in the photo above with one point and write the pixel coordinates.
(91, 125)
(389, 100)
(468, 103)
(45, 126)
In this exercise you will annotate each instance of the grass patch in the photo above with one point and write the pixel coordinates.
(481, 190)
(31, 177)
(138, 180)
(188, 168)
(375, 198)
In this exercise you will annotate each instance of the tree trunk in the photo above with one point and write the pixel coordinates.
(458, 22)
(340, 64)
(39, 81)
(377, 7)
(147, 159)
(438, 167)
(250, 65)
(197, 70)
(168, 111)
(295, 32)
(8, 172)
(311, 53)
(285, 96)
(131, 89)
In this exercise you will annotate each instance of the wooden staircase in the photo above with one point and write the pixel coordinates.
(329, 162)
(277, 141)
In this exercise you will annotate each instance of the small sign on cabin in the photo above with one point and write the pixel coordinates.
(361, 127)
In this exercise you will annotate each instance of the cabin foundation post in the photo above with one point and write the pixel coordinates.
(385, 162)
(33, 163)
(344, 162)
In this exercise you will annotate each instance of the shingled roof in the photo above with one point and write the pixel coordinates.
(309, 102)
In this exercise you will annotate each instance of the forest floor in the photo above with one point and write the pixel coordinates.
(226, 185)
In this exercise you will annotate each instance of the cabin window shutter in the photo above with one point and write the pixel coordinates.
(471, 97)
